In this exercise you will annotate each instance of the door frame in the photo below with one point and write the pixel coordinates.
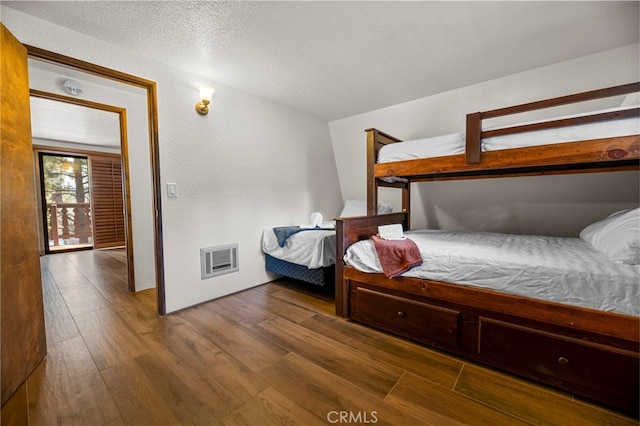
(124, 153)
(152, 115)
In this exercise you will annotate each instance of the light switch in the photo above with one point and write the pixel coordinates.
(172, 190)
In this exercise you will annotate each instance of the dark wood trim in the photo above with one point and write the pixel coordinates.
(98, 70)
(152, 108)
(606, 152)
(152, 102)
(473, 137)
(76, 101)
(372, 182)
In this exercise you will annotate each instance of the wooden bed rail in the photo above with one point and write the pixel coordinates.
(474, 133)
(616, 153)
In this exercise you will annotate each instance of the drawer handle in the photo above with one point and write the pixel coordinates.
(401, 314)
(563, 361)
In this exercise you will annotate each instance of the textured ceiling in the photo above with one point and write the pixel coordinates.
(337, 59)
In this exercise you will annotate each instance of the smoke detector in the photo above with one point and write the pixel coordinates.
(72, 87)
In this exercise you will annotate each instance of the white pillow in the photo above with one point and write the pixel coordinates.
(354, 208)
(617, 236)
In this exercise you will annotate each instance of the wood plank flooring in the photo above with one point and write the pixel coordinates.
(272, 355)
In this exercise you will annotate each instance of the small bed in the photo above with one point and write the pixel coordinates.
(573, 338)
(308, 252)
(308, 256)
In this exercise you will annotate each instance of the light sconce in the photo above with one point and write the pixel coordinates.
(202, 107)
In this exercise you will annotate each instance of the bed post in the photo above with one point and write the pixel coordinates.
(473, 137)
(372, 182)
(375, 141)
(406, 203)
(342, 286)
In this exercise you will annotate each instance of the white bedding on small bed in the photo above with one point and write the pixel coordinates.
(310, 248)
(455, 143)
(564, 270)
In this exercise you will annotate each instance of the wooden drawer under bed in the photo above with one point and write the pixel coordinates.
(601, 371)
(414, 319)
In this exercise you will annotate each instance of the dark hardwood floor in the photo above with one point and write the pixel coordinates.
(271, 355)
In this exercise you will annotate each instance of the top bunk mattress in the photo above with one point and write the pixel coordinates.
(557, 269)
(452, 144)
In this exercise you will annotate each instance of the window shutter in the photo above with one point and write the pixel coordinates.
(108, 202)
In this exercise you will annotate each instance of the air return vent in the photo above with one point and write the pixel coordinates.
(218, 260)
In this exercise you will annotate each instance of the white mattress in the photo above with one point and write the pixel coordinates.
(313, 248)
(564, 270)
(455, 143)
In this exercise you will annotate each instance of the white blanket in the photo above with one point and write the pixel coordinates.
(564, 270)
(310, 248)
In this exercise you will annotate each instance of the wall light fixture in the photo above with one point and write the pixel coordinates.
(202, 107)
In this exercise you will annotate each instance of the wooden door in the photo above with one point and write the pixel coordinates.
(23, 343)
(107, 202)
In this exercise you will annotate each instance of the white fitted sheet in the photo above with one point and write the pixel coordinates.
(455, 143)
(564, 270)
(312, 248)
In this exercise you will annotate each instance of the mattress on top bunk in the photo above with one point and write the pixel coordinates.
(454, 143)
(564, 270)
(311, 248)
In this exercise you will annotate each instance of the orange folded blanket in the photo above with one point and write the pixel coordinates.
(396, 256)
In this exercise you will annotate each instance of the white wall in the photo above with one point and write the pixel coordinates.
(248, 165)
(71, 146)
(554, 205)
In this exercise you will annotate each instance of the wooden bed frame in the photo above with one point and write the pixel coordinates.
(590, 353)
(616, 153)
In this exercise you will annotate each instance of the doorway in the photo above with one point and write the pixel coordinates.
(93, 202)
(154, 254)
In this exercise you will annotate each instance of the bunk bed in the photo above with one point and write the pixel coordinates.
(587, 351)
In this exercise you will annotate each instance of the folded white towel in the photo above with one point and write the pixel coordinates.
(391, 232)
(316, 219)
(317, 222)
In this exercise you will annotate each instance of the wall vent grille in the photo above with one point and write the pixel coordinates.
(218, 260)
